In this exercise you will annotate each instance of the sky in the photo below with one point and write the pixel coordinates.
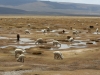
(78, 1)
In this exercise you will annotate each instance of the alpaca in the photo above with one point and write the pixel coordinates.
(21, 58)
(18, 51)
(58, 55)
(27, 32)
(55, 43)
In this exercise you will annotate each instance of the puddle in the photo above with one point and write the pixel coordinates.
(22, 40)
(1, 37)
(75, 44)
(23, 47)
(81, 43)
(24, 43)
(96, 33)
(63, 46)
(59, 31)
(25, 40)
(53, 31)
(26, 47)
(41, 31)
(66, 32)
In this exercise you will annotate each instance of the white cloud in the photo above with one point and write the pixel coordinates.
(78, 1)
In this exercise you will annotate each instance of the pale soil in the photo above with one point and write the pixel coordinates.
(76, 61)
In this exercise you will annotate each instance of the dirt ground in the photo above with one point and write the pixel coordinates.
(39, 59)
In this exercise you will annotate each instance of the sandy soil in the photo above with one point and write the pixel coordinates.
(39, 60)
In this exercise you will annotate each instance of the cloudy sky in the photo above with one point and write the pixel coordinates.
(79, 1)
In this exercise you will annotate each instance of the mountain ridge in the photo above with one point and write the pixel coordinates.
(38, 7)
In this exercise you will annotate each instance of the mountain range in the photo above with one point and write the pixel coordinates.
(37, 7)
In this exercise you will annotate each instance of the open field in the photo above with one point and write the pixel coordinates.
(81, 57)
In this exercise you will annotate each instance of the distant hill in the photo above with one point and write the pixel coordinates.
(4, 10)
(37, 7)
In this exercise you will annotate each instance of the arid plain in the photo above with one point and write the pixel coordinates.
(81, 57)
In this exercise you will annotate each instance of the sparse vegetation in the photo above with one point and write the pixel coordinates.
(40, 58)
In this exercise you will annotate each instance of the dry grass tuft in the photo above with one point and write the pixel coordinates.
(15, 68)
(36, 51)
